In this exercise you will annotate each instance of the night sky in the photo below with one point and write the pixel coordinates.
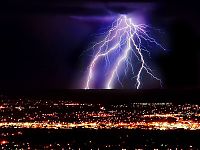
(40, 45)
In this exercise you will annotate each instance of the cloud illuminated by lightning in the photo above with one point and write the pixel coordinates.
(123, 41)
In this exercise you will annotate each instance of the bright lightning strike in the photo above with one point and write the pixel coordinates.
(123, 41)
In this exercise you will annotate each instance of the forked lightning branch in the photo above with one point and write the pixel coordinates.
(124, 41)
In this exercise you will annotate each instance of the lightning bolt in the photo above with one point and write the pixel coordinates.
(123, 40)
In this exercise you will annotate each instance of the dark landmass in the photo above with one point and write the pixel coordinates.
(114, 96)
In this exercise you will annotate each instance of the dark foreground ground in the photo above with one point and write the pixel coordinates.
(98, 139)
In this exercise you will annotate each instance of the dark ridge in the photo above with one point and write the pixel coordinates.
(113, 96)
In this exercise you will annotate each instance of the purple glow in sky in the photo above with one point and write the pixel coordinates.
(122, 56)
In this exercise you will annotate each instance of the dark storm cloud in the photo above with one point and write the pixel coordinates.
(86, 8)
